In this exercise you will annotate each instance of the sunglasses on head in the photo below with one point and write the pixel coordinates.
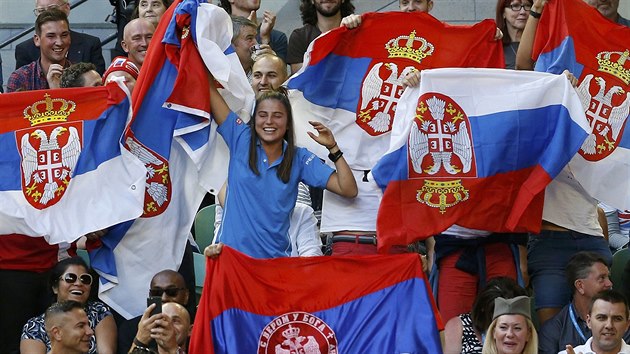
(71, 278)
(170, 292)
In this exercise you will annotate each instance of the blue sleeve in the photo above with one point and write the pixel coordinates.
(231, 129)
(315, 172)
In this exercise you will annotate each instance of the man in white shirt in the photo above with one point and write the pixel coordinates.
(608, 321)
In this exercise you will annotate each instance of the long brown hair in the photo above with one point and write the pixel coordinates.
(284, 170)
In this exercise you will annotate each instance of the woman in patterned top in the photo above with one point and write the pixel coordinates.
(464, 333)
(70, 280)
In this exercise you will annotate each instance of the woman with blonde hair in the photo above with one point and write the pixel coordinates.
(511, 330)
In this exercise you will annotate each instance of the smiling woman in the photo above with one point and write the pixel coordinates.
(70, 281)
(264, 171)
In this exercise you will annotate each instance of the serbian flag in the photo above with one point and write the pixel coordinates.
(475, 147)
(352, 79)
(63, 171)
(369, 304)
(575, 36)
(171, 133)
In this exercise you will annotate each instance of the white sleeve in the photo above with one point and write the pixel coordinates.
(303, 231)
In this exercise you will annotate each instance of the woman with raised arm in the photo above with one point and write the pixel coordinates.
(264, 172)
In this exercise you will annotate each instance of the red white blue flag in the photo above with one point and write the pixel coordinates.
(63, 171)
(575, 36)
(172, 134)
(368, 304)
(352, 79)
(476, 148)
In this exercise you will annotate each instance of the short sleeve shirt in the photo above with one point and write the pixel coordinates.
(299, 41)
(258, 207)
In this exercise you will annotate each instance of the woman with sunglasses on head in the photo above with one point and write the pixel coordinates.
(264, 171)
(70, 280)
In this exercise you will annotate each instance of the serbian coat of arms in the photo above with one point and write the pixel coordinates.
(49, 150)
(383, 84)
(440, 151)
(297, 333)
(606, 103)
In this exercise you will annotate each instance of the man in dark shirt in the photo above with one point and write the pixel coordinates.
(587, 274)
(84, 48)
(318, 16)
(52, 37)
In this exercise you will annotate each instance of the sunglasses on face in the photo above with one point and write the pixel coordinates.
(170, 292)
(71, 278)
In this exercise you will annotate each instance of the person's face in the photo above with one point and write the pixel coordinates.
(517, 19)
(43, 5)
(171, 287)
(53, 41)
(242, 44)
(130, 82)
(181, 321)
(75, 332)
(271, 121)
(608, 322)
(74, 284)
(511, 334)
(608, 8)
(596, 281)
(151, 10)
(245, 5)
(415, 5)
(92, 79)
(267, 75)
(327, 8)
(137, 37)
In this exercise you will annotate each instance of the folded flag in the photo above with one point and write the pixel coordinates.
(171, 133)
(573, 35)
(369, 304)
(63, 171)
(475, 147)
(352, 79)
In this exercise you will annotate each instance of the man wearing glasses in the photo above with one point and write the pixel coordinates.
(83, 47)
(171, 287)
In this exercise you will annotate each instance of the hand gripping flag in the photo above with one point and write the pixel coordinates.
(369, 304)
(475, 147)
(574, 36)
(63, 171)
(352, 79)
(172, 134)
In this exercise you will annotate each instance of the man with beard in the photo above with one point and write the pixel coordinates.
(318, 16)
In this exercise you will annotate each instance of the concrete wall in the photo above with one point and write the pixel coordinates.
(16, 15)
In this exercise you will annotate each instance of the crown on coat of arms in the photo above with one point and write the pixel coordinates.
(410, 47)
(291, 332)
(614, 63)
(49, 110)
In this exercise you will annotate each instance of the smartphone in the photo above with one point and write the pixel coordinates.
(157, 300)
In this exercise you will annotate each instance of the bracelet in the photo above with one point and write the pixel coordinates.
(534, 14)
(332, 147)
(138, 343)
(336, 156)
